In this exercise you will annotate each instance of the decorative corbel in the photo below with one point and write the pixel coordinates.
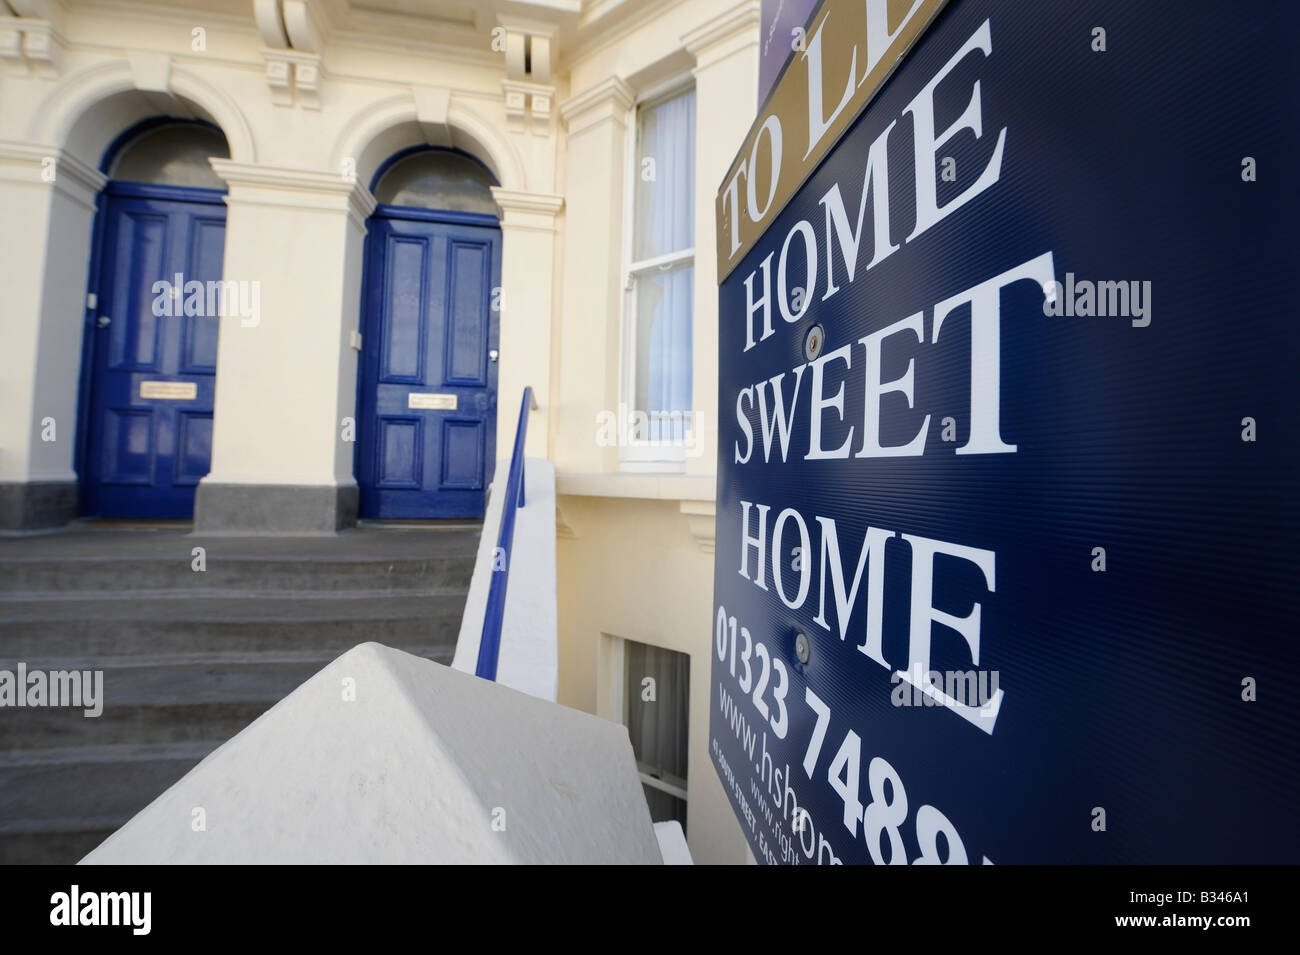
(290, 29)
(529, 93)
(701, 517)
(31, 42)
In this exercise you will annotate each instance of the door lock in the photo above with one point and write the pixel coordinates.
(103, 321)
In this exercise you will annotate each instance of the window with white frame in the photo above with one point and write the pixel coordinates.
(660, 284)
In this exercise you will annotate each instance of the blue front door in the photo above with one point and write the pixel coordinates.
(148, 418)
(427, 394)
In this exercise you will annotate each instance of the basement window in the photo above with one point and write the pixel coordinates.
(657, 716)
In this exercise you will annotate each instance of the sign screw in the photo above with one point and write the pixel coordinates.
(813, 342)
(802, 649)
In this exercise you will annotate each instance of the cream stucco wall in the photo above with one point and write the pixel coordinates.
(298, 200)
(630, 569)
(635, 550)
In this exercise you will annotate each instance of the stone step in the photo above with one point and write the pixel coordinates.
(189, 658)
(56, 805)
(95, 624)
(54, 842)
(35, 574)
(170, 699)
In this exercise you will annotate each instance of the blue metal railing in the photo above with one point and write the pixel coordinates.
(489, 648)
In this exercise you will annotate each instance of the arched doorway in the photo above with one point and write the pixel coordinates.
(151, 352)
(428, 380)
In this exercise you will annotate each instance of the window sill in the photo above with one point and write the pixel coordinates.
(658, 487)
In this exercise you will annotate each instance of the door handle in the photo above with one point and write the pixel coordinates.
(103, 321)
(493, 354)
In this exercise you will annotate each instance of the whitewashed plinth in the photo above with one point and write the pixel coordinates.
(424, 765)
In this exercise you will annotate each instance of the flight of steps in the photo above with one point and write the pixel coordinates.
(189, 658)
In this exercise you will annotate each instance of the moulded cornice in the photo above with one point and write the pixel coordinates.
(298, 188)
(609, 99)
(528, 210)
(26, 162)
(731, 24)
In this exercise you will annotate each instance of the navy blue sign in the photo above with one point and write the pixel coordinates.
(1007, 504)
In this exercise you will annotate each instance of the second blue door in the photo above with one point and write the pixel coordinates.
(427, 393)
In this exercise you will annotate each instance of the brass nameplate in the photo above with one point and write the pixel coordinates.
(169, 390)
(431, 402)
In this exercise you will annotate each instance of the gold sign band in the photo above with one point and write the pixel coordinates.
(844, 55)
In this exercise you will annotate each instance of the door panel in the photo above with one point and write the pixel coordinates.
(427, 390)
(399, 462)
(199, 333)
(193, 447)
(146, 452)
(462, 447)
(466, 331)
(139, 253)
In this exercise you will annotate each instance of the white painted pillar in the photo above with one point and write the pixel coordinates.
(286, 378)
(593, 262)
(527, 290)
(48, 198)
(726, 102)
